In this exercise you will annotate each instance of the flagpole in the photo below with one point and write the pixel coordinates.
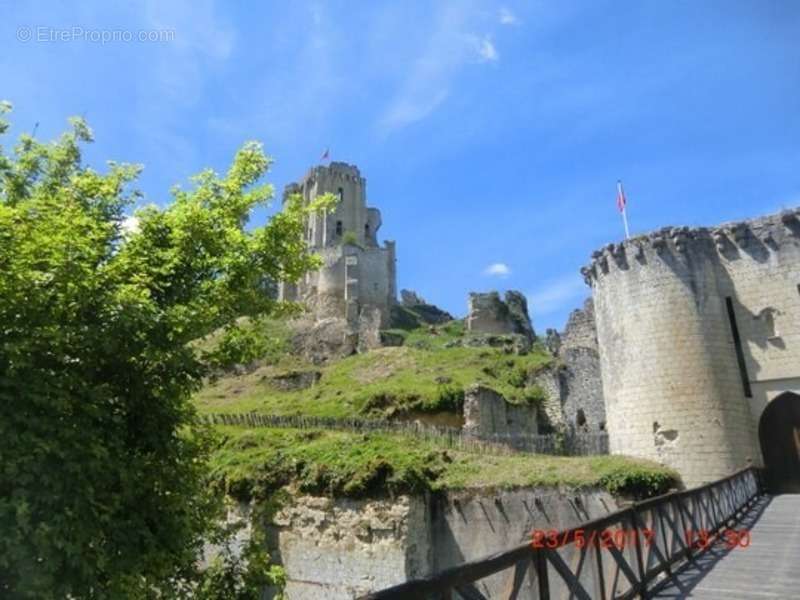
(622, 202)
(625, 220)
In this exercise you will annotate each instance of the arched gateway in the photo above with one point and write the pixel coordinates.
(779, 432)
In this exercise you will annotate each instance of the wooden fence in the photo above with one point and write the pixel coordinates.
(593, 561)
(568, 444)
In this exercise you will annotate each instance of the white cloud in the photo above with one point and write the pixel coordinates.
(202, 39)
(557, 294)
(497, 270)
(449, 47)
(487, 51)
(413, 106)
(506, 17)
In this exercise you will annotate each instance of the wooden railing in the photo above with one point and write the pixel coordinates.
(568, 444)
(593, 561)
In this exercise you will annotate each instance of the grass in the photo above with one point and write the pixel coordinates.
(428, 374)
(255, 463)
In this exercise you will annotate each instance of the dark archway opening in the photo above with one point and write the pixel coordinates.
(779, 433)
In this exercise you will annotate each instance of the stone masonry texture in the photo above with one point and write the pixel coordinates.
(340, 549)
(673, 389)
(488, 313)
(357, 272)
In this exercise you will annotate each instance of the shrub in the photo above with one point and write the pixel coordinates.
(351, 239)
(638, 481)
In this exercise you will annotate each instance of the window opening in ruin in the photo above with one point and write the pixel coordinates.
(737, 343)
(366, 230)
(338, 228)
(341, 195)
(767, 318)
(580, 418)
(602, 426)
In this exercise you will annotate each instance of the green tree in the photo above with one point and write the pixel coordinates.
(102, 463)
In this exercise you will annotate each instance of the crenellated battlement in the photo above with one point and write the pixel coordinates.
(697, 329)
(335, 170)
(729, 240)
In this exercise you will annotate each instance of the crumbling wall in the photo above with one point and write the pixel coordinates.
(489, 314)
(573, 383)
(582, 388)
(342, 548)
(488, 416)
(551, 412)
(420, 312)
(339, 549)
(581, 330)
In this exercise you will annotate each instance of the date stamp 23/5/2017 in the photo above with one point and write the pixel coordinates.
(620, 538)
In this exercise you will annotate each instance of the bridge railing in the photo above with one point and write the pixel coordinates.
(620, 555)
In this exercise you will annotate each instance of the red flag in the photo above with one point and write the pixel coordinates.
(325, 155)
(621, 200)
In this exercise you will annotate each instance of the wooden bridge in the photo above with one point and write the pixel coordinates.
(726, 539)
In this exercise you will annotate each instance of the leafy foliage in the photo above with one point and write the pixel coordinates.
(239, 574)
(102, 490)
(638, 480)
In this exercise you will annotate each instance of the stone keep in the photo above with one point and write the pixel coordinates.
(357, 273)
(698, 330)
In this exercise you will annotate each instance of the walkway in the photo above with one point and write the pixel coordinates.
(768, 568)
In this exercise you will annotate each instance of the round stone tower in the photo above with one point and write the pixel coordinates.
(686, 326)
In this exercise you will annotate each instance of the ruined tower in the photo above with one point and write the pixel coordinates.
(698, 330)
(358, 276)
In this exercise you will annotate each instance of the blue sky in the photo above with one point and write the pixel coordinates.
(491, 134)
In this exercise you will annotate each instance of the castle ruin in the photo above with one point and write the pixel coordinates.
(689, 353)
(573, 382)
(699, 338)
(358, 277)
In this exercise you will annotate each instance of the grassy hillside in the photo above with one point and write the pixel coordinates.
(254, 463)
(427, 374)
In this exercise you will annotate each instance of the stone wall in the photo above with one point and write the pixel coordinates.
(487, 415)
(581, 330)
(582, 389)
(551, 415)
(673, 388)
(469, 525)
(340, 549)
(489, 314)
(421, 311)
(573, 384)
